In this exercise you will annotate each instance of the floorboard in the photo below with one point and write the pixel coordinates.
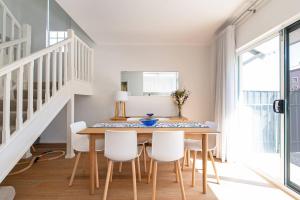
(49, 181)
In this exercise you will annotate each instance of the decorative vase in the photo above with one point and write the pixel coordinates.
(179, 111)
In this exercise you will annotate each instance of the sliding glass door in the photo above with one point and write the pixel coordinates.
(259, 86)
(292, 95)
(269, 141)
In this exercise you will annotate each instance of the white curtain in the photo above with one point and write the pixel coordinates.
(226, 91)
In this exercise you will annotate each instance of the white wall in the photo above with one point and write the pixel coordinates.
(56, 132)
(271, 15)
(59, 20)
(196, 73)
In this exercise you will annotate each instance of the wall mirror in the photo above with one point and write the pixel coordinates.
(139, 83)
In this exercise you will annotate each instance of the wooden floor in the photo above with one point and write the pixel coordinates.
(49, 180)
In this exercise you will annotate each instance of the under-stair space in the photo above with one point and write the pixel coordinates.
(13, 106)
(34, 89)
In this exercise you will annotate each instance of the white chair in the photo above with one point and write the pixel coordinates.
(7, 193)
(196, 146)
(133, 119)
(121, 146)
(141, 143)
(81, 145)
(163, 119)
(167, 146)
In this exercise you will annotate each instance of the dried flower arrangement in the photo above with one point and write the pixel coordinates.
(180, 96)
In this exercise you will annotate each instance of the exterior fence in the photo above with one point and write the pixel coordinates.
(266, 127)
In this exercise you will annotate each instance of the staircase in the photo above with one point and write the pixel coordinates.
(13, 106)
(34, 88)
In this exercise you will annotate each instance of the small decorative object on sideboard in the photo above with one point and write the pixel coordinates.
(180, 96)
(149, 115)
(149, 120)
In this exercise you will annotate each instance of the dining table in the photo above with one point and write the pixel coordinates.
(192, 130)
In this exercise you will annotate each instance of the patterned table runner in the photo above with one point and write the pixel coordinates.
(158, 125)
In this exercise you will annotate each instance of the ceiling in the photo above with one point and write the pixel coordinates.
(151, 21)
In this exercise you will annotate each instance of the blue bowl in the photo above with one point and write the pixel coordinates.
(149, 122)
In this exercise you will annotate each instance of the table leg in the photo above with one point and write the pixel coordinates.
(204, 161)
(92, 153)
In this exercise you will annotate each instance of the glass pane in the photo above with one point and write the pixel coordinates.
(61, 34)
(159, 82)
(52, 41)
(294, 106)
(259, 87)
(139, 83)
(53, 34)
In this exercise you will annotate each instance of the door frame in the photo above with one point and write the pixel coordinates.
(286, 52)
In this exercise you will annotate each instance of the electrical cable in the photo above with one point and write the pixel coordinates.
(38, 158)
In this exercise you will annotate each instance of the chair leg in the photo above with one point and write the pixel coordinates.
(181, 181)
(214, 166)
(184, 158)
(120, 167)
(188, 157)
(176, 171)
(134, 180)
(108, 175)
(97, 172)
(112, 171)
(194, 168)
(139, 169)
(150, 171)
(74, 168)
(145, 158)
(154, 180)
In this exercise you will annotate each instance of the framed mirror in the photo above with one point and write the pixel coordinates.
(139, 83)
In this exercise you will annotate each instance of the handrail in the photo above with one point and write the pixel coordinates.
(12, 43)
(83, 43)
(68, 60)
(13, 66)
(4, 6)
(22, 46)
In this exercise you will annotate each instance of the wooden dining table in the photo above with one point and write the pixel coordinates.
(191, 132)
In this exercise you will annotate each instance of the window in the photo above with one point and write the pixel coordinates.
(159, 82)
(56, 37)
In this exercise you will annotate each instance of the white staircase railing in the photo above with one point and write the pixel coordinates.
(16, 49)
(15, 26)
(84, 55)
(15, 38)
(49, 70)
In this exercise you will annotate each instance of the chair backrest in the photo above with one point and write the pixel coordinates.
(167, 145)
(138, 118)
(79, 142)
(163, 119)
(130, 119)
(120, 145)
(211, 124)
